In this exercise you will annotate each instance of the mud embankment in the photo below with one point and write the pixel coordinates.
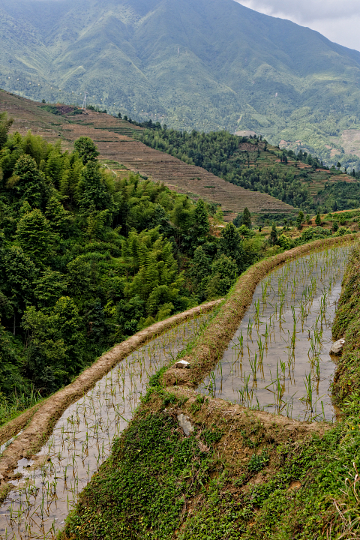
(41, 419)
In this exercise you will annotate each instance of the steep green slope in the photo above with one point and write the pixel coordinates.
(205, 64)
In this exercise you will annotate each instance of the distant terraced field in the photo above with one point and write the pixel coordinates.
(121, 152)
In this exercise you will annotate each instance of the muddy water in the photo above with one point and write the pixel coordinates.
(82, 440)
(279, 359)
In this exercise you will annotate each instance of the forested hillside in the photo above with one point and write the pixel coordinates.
(201, 64)
(119, 151)
(300, 179)
(87, 259)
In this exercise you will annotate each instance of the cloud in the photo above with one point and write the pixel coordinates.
(338, 20)
(306, 10)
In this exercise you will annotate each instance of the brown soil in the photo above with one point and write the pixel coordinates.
(267, 431)
(13, 427)
(240, 426)
(212, 344)
(247, 147)
(217, 410)
(34, 436)
(177, 175)
(344, 178)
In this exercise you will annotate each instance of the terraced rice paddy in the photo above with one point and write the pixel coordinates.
(279, 359)
(82, 440)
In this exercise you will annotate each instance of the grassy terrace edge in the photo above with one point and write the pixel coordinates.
(210, 346)
(40, 419)
(346, 386)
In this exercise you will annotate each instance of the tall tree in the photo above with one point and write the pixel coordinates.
(17, 275)
(5, 124)
(94, 193)
(231, 246)
(273, 235)
(36, 237)
(86, 149)
(28, 182)
(300, 220)
(201, 221)
(246, 218)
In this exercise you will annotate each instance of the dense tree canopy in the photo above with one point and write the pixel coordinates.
(88, 259)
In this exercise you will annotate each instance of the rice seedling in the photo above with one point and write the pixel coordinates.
(278, 390)
(82, 438)
(239, 344)
(246, 394)
(257, 311)
(285, 347)
(249, 328)
(254, 366)
(264, 290)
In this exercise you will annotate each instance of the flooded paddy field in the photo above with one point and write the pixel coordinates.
(82, 440)
(278, 360)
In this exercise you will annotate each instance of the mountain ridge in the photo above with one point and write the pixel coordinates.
(205, 65)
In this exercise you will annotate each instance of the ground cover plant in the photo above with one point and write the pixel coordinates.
(239, 475)
(346, 325)
(298, 179)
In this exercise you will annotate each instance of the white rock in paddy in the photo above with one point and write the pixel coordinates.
(182, 364)
(337, 347)
(185, 424)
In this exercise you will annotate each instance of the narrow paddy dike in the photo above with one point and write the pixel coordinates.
(45, 416)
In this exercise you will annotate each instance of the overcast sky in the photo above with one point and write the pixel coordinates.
(338, 20)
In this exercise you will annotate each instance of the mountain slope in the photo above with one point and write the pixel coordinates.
(118, 149)
(208, 64)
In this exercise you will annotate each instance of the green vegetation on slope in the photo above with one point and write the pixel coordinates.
(299, 180)
(193, 64)
(237, 476)
(241, 474)
(346, 325)
(87, 259)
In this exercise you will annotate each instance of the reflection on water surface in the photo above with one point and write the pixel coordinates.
(82, 440)
(279, 358)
